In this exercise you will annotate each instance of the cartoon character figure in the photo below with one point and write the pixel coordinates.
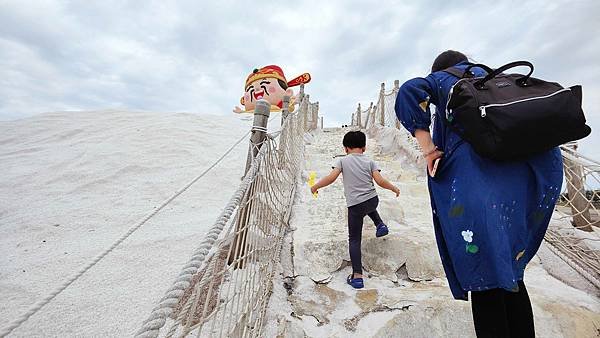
(269, 83)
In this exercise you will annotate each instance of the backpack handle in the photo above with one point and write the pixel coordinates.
(520, 81)
(479, 65)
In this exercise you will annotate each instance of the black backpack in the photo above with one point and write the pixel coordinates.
(512, 116)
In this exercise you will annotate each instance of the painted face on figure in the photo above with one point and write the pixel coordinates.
(267, 88)
(269, 83)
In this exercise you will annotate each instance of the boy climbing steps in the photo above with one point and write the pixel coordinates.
(359, 172)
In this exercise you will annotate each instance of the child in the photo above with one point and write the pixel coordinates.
(359, 171)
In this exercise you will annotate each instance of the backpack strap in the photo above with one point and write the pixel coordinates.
(467, 72)
(455, 71)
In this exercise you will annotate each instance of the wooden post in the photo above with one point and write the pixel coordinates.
(576, 190)
(316, 116)
(301, 94)
(396, 90)
(358, 117)
(382, 103)
(368, 115)
(283, 137)
(259, 130)
(374, 114)
(259, 133)
(305, 112)
(285, 110)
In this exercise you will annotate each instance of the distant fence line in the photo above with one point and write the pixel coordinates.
(224, 289)
(578, 207)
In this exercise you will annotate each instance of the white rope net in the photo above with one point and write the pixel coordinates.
(384, 116)
(224, 289)
(571, 233)
(389, 114)
(577, 213)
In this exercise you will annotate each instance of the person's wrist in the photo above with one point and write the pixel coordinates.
(433, 150)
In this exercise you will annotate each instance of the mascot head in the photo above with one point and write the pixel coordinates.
(269, 83)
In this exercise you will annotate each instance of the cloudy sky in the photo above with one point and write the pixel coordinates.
(194, 56)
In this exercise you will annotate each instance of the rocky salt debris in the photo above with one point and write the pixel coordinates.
(406, 293)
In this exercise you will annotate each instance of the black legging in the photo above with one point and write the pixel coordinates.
(356, 214)
(501, 313)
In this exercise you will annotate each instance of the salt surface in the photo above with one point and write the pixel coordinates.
(74, 182)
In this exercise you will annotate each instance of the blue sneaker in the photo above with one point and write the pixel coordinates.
(356, 283)
(382, 230)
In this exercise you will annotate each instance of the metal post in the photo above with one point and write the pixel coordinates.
(382, 103)
(321, 122)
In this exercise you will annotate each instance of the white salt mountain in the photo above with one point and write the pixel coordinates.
(73, 183)
(406, 293)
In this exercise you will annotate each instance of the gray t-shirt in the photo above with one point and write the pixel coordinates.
(357, 172)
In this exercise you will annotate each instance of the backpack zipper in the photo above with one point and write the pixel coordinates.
(483, 108)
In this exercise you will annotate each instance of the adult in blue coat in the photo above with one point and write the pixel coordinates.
(489, 217)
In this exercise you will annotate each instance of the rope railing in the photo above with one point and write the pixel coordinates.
(577, 213)
(383, 115)
(581, 198)
(224, 289)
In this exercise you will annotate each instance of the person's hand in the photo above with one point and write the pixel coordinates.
(314, 189)
(432, 157)
(396, 191)
(237, 110)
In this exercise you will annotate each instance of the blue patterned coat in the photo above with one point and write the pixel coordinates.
(489, 217)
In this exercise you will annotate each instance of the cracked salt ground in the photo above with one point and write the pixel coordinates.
(406, 293)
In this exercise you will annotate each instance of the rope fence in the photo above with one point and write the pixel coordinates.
(571, 233)
(577, 214)
(382, 115)
(224, 289)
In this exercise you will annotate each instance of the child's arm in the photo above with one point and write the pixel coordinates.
(382, 182)
(327, 180)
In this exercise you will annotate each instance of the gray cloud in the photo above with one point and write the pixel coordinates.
(194, 56)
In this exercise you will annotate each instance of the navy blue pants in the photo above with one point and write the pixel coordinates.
(356, 214)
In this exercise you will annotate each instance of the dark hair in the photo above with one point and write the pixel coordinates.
(355, 139)
(447, 59)
(282, 84)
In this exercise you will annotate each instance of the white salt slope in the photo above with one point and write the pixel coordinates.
(406, 294)
(72, 183)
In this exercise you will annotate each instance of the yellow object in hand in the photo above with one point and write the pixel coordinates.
(312, 176)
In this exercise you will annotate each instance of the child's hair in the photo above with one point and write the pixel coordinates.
(355, 139)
